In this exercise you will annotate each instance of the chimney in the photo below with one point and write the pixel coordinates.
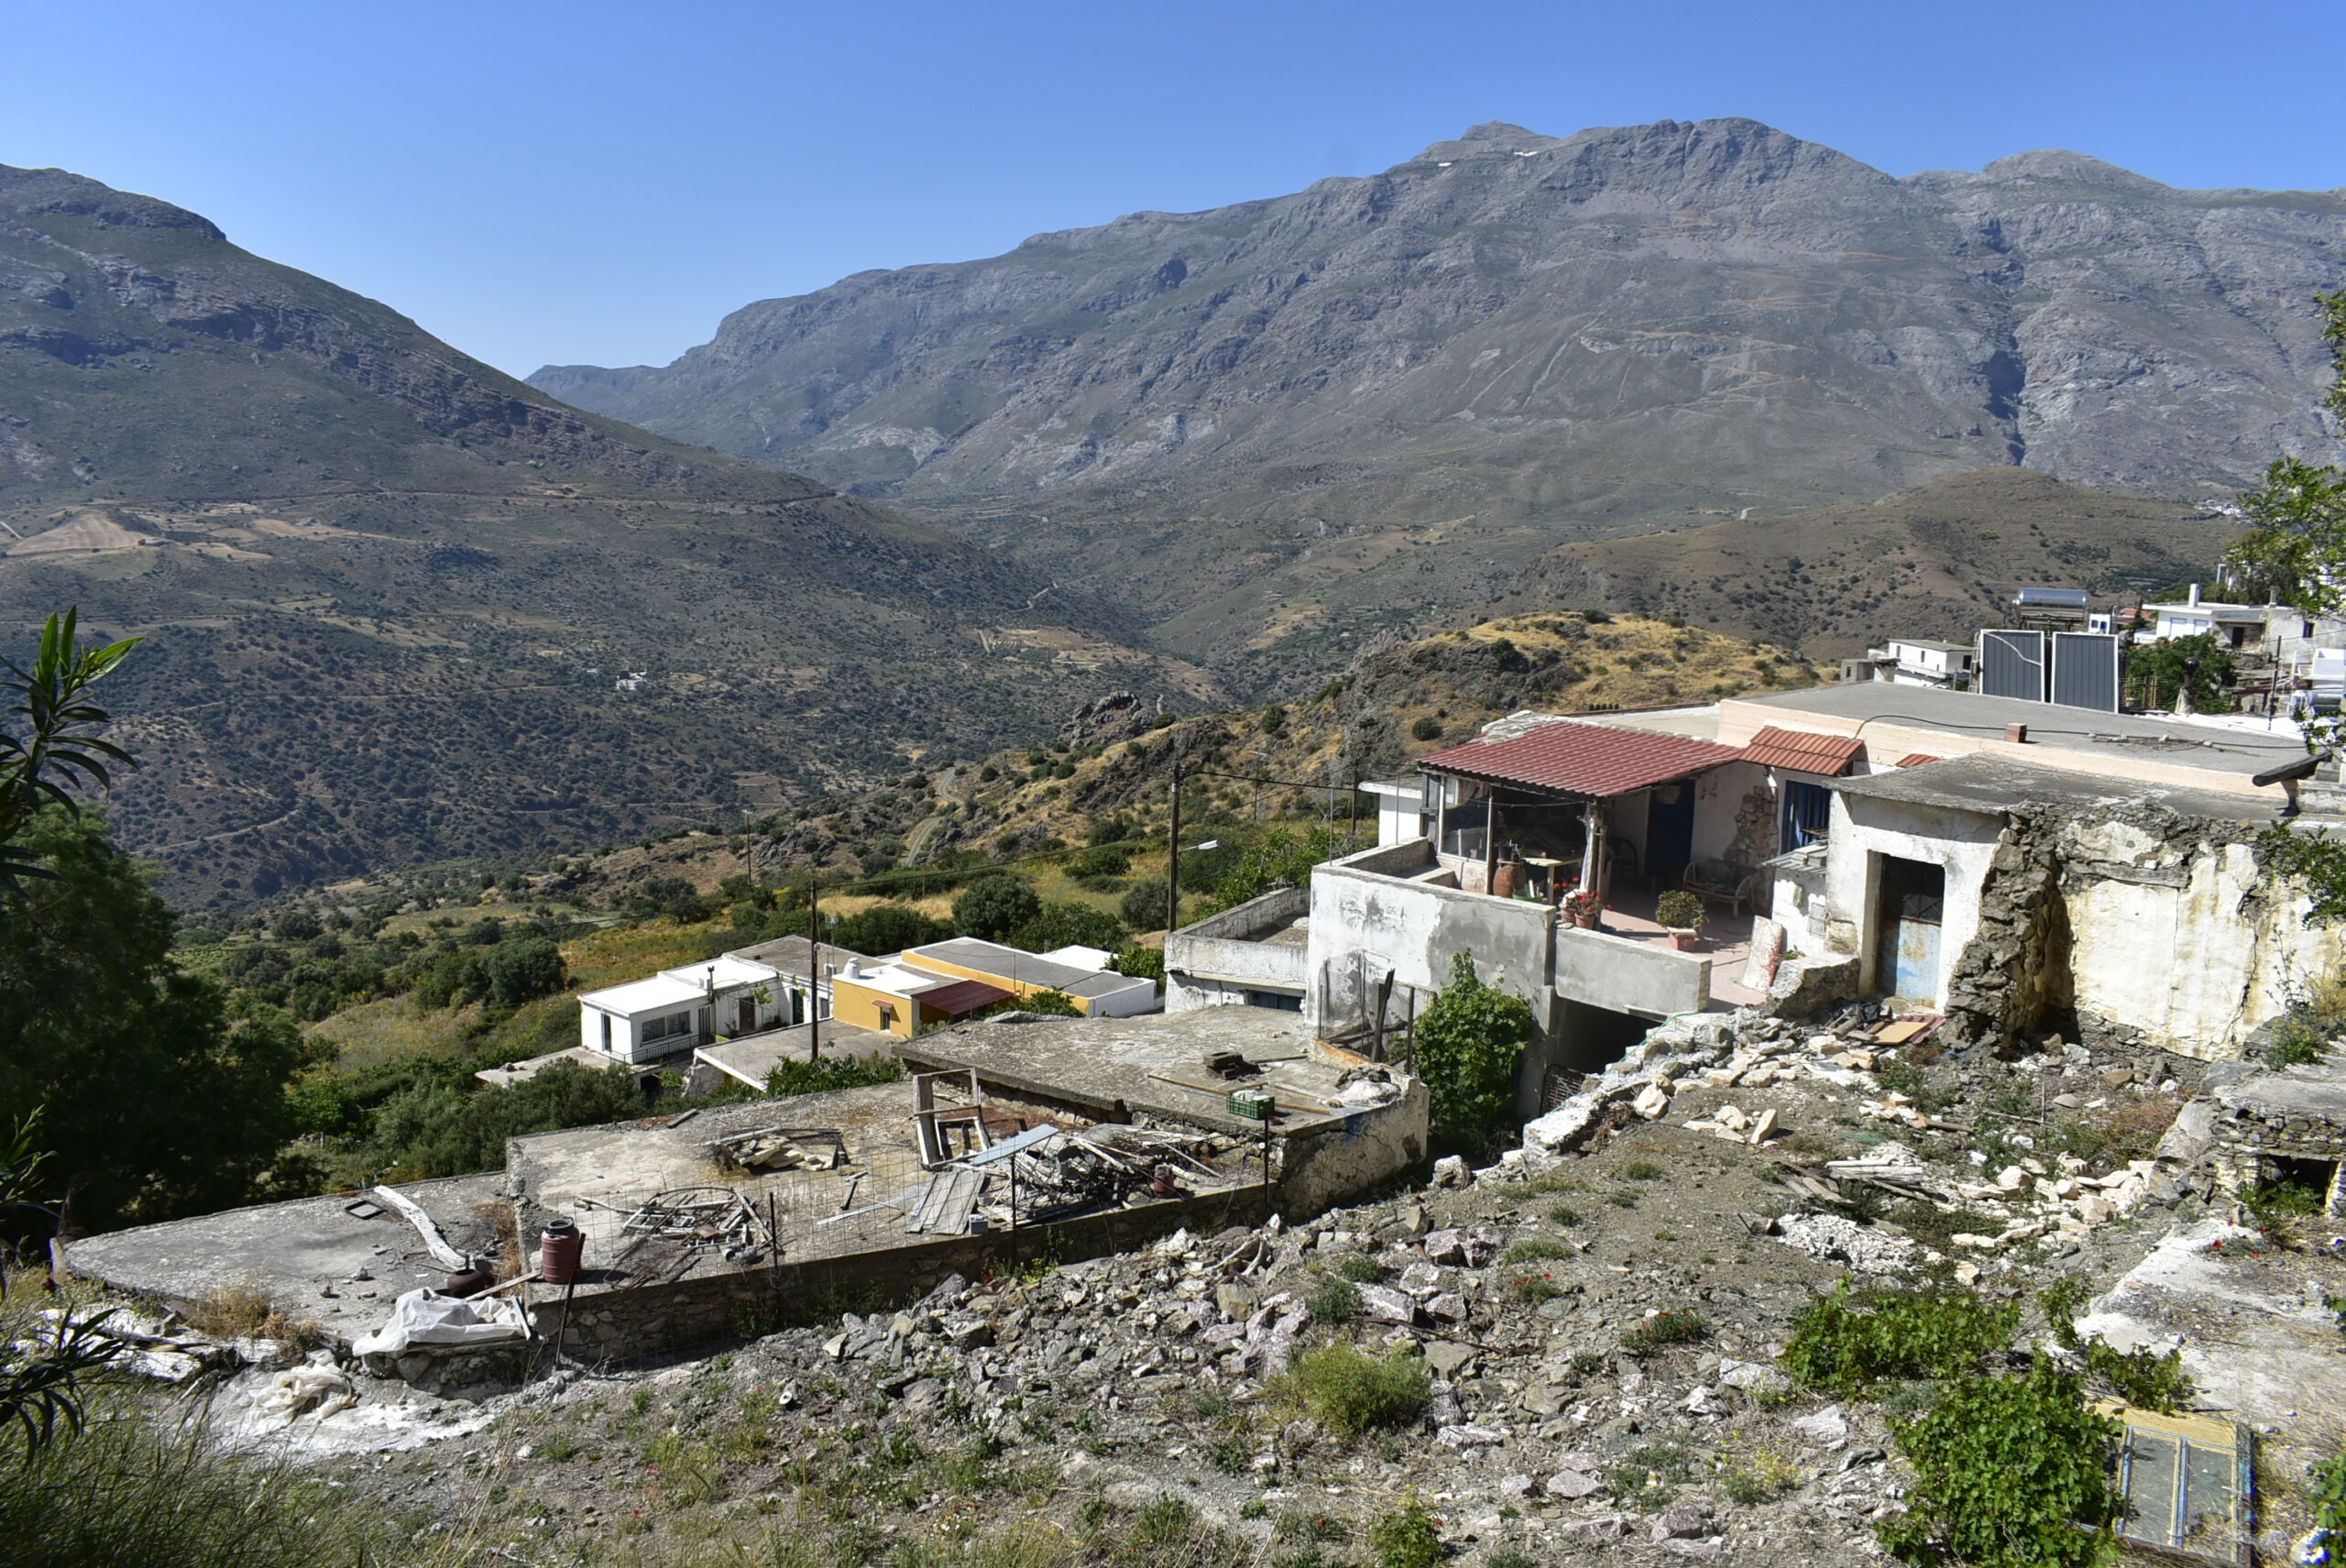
(2016, 733)
(2194, 600)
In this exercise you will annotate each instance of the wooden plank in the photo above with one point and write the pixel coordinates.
(433, 1241)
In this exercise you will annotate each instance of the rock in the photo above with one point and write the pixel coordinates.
(1450, 1170)
(1827, 1428)
(1703, 1401)
(1679, 1524)
(1444, 1246)
(1388, 1304)
(1653, 1100)
(1763, 1129)
(1573, 1485)
(1420, 1277)
(1469, 1436)
(1447, 1358)
(1449, 1307)
(1235, 1300)
(1515, 1488)
(1750, 1375)
(1555, 1132)
(1603, 1527)
(969, 1333)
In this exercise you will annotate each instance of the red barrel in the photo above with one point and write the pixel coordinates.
(559, 1245)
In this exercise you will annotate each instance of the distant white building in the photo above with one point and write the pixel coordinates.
(767, 986)
(1914, 661)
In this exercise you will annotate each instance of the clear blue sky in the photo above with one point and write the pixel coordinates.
(599, 183)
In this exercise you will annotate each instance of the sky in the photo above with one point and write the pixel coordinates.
(599, 183)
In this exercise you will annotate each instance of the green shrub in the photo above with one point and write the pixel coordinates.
(1469, 1044)
(1406, 1537)
(1164, 1521)
(1426, 728)
(2006, 1471)
(1139, 962)
(1678, 1325)
(1049, 1003)
(1142, 907)
(1564, 1215)
(1679, 910)
(1844, 1341)
(2327, 1496)
(887, 928)
(1642, 1170)
(793, 1077)
(994, 906)
(1349, 1392)
(1646, 1478)
(1360, 1268)
(2276, 1201)
(1333, 1300)
(1534, 1249)
(1066, 925)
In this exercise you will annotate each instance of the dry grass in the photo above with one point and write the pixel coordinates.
(246, 1312)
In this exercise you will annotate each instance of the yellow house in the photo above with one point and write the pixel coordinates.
(903, 999)
(1096, 993)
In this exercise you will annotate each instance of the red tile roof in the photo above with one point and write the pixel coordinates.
(1802, 751)
(1595, 760)
(962, 997)
(1915, 759)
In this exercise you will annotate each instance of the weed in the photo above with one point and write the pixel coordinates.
(1678, 1325)
(1360, 1268)
(1333, 1300)
(1906, 1078)
(1511, 1557)
(1254, 1508)
(1762, 1478)
(1533, 1249)
(2005, 1471)
(1164, 1521)
(557, 1448)
(1665, 1235)
(1647, 1476)
(1406, 1537)
(1844, 1341)
(1642, 1171)
(1530, 1289)
(1349, 1392)
(1622, 1198)
(247, 1311)
(1231, 1454)
(1297, 1525)
(1587, 1363)
(1564, 1215)
(2276, 1202)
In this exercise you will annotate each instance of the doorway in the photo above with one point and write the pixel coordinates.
(1670, 832)
(1911, 908)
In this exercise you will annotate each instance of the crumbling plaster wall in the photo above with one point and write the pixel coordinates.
(1864, 830)
(2138, 928)
(1364, 923)
(1327, 1166)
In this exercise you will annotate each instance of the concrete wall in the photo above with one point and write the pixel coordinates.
(1622, 974)
(1215, 961)
(1366, 921)
(1331, 1164)
(2181, 945)
(1864, 830)
(1719, 797)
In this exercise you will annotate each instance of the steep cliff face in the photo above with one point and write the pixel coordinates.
(1583, 335)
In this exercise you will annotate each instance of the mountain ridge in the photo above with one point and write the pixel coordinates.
(1513, 342)
(389, 591)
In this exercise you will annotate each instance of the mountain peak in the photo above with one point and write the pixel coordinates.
(2058, 163)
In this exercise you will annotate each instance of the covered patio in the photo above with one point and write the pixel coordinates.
(1560, 803)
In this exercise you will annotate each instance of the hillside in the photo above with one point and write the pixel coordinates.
(388, 590)
(1941, 560)
(1339, 410)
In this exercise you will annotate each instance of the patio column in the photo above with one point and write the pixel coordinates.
(1491, 839)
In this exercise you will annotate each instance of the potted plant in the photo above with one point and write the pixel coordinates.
(1680, 912)
(1584, 906)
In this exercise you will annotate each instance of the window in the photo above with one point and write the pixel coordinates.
(607, 1031)
(674, 1024)
(2182, 1477)
(1808, 813)
(1277, 1001)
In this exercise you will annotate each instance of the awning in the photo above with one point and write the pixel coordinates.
(1802, 751)
(963, 998)
(1594, 762)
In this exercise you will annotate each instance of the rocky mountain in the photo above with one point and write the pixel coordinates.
(389, 592)
(1335, 409)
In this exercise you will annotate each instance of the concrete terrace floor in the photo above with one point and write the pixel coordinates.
(1725, 940)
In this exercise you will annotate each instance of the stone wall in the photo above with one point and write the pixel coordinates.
(746, 1303)
(2140, 929)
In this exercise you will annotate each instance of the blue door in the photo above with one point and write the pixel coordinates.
(1914, 900)
(1670, 831)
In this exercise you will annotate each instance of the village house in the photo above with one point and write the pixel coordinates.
(926, 987)
(749, 990)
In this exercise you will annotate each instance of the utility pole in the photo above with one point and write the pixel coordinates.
(1173, 857)
(813, 967)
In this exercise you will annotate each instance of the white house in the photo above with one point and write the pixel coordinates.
(767, 986)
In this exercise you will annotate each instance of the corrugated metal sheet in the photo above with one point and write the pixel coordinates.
(2085, 670)
(2012, 664)
(962, 996)
(1593, 761)
(1802, 751)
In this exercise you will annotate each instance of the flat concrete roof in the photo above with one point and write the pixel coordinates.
(1694, 723)
(2317, 1090)
(795, 955)
(1991, 785)
(1112, 1067)
(643, 995)
(1015, 964)
(753, 1058)
(297, 1250)
(2123, 740)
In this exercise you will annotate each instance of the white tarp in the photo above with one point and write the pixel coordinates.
(426, 1317)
